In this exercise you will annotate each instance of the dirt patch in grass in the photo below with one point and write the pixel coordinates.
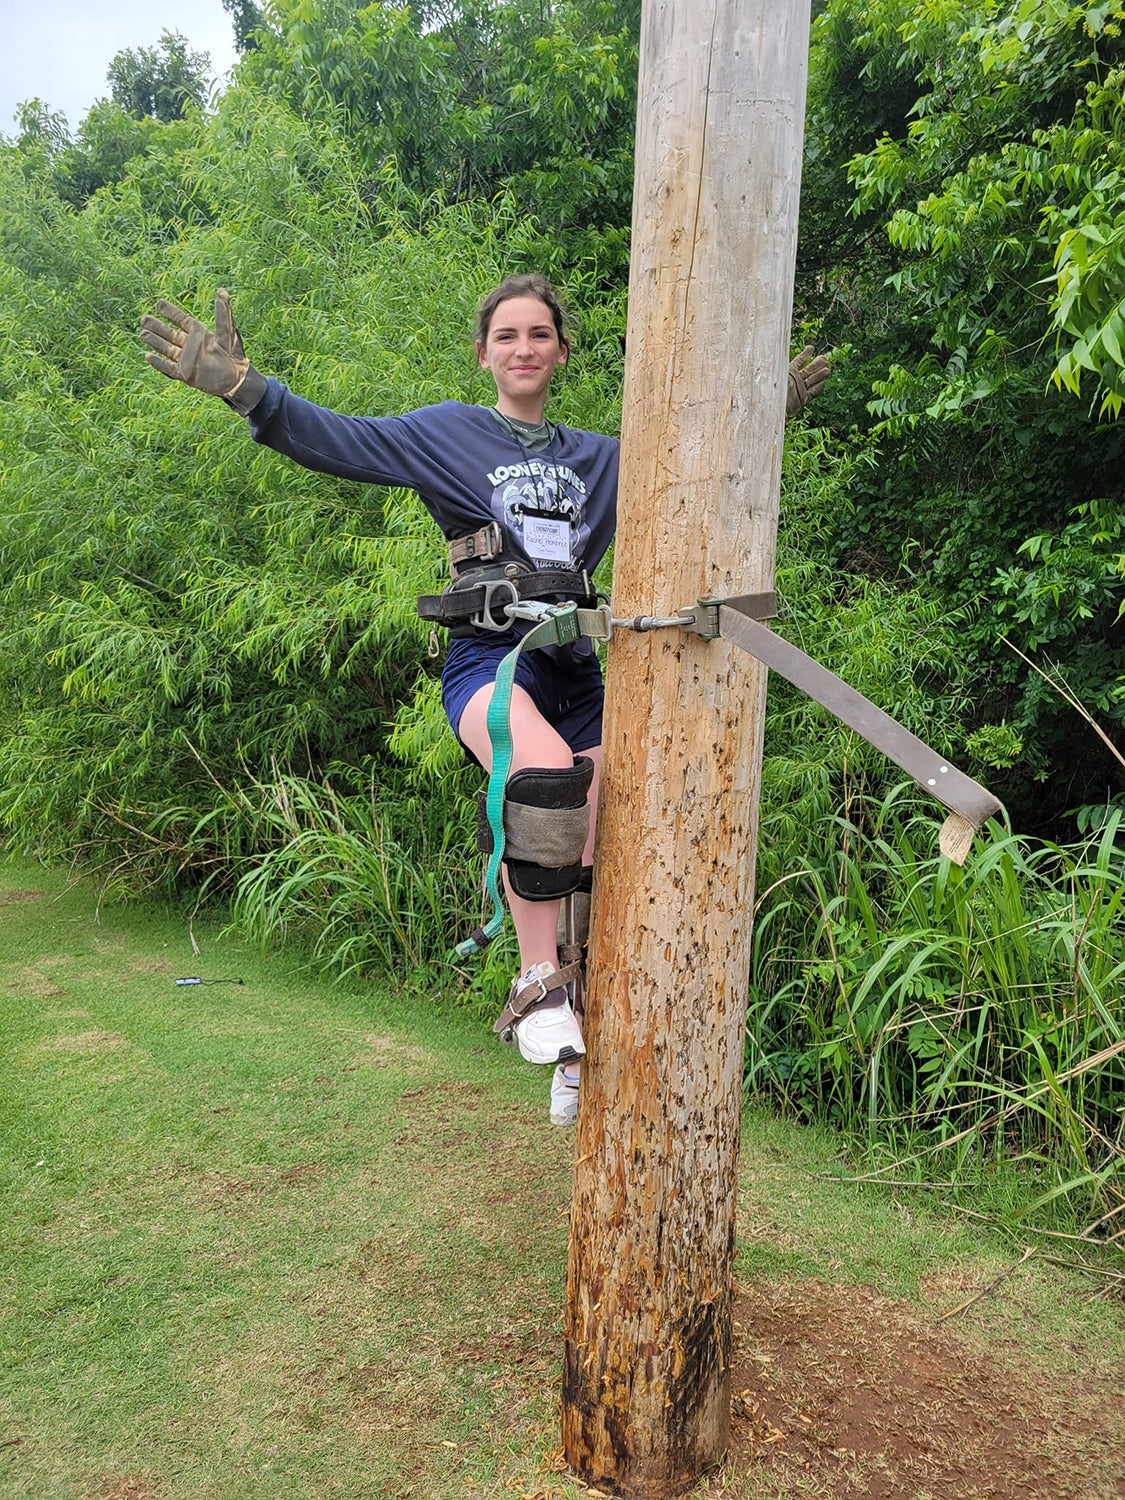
(131, 1487)
(35, 984)
(88, 1041)
(379, 1048)
(302, 1172)
(839, 1392)
(225, 1191)
(12, 898)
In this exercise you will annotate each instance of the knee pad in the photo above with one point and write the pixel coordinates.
(546, 822)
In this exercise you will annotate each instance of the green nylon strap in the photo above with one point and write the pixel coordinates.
(561, 626)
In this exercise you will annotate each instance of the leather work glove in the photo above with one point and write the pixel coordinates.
(806, 380)
(187, 350)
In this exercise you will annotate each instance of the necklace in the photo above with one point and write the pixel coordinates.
(530, 435)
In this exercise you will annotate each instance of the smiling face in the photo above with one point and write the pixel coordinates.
(522, 351)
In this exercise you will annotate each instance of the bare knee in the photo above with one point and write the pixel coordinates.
(535, 742)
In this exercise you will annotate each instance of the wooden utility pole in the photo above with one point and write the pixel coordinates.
(646, 1393)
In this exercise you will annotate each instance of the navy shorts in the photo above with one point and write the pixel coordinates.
(565, 684)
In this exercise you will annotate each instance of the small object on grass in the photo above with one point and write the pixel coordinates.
(955, 837)
(194, 980)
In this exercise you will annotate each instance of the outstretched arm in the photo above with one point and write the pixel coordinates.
(185, 349)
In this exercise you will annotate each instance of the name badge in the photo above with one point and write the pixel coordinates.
(547, 540)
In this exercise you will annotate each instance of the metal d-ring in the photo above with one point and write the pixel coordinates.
(484, 618)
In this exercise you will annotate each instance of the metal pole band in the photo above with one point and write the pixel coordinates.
(971, 801)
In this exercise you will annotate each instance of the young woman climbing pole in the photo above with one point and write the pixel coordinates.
(528, 507)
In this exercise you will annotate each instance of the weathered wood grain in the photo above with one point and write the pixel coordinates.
(647, 1331)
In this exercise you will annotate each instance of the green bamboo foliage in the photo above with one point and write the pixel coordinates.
(908, 999)
(181, 608)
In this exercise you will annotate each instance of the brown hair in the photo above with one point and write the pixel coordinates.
(522, 284)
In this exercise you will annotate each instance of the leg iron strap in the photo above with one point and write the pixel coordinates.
(530, 993)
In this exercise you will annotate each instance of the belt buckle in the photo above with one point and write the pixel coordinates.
(518, 1005)
(490, 541)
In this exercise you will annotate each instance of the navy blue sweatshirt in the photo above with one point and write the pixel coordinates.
(556, 507)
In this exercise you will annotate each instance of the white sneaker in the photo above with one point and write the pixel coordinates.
(550, 1034)
(564, 1094)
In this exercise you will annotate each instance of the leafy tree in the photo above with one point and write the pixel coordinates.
(469, 97)
(161, 80)
(1088, 306)
(107, 140)
(76, 167)
(976, 297)
(41, 132)
(247, 19)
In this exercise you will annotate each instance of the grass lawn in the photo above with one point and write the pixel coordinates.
(284, 1238)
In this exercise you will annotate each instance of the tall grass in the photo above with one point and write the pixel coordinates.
(908, 1000)
(363, 876)
(369, 879)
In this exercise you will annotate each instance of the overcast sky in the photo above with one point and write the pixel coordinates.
(59, 50)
